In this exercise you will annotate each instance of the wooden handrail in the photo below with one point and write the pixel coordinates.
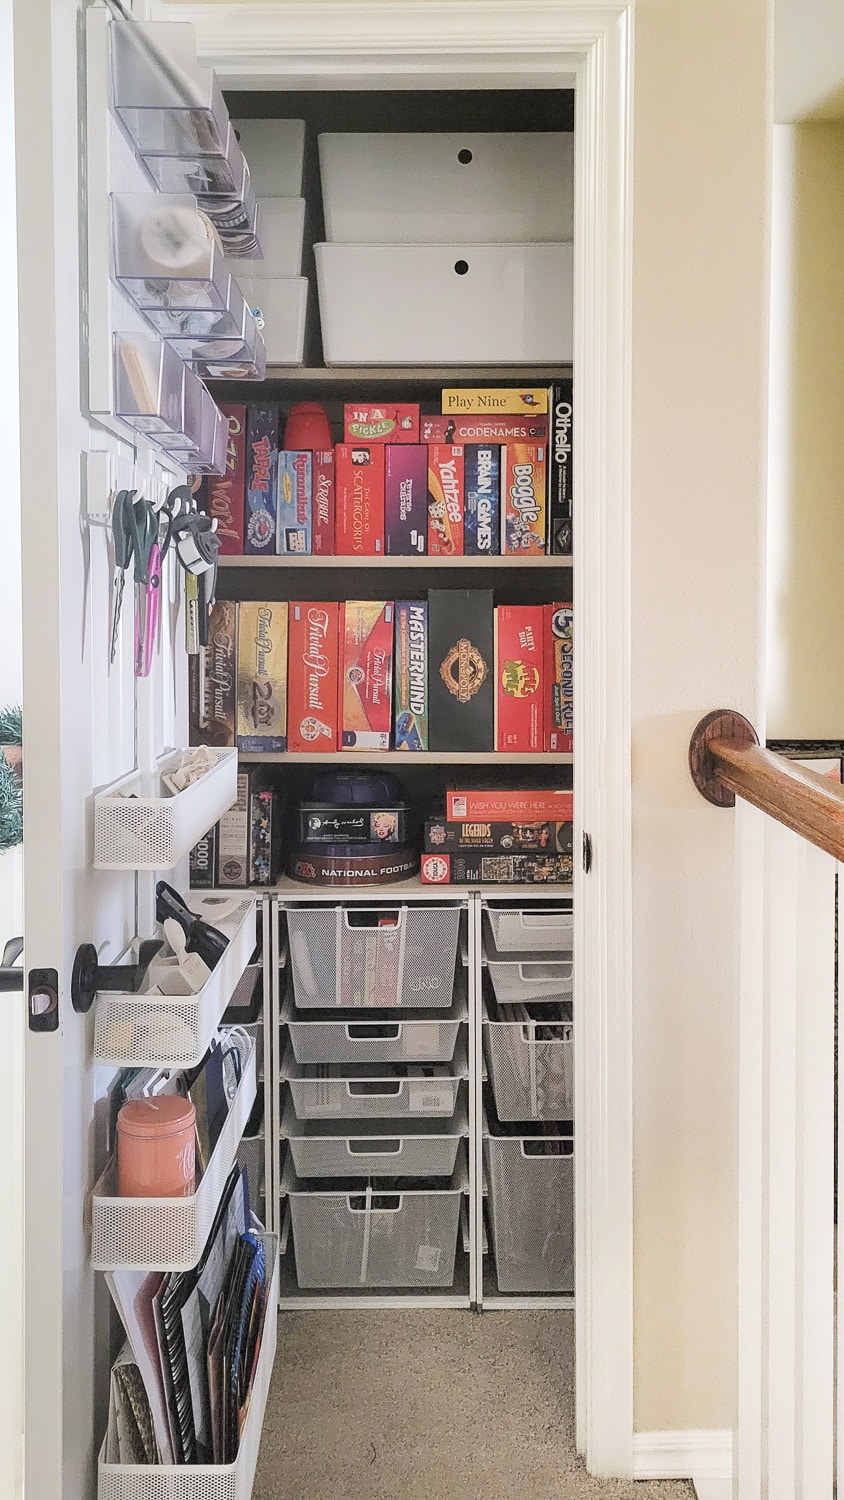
(727, 761)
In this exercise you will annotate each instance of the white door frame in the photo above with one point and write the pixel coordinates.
(523, 43)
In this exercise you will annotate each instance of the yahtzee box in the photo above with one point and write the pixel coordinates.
(262, 676)
(367, 683)
(445, 500)
(313, 675)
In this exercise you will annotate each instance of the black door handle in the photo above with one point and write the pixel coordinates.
(11, 972)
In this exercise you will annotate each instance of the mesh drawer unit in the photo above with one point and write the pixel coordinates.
(207, 1481)
(371, 1037)
(383, 1234)
(531, 930)
(138, 827)
(167, 1234)
(519, 983)
(173, 1031)
(375, 1091)
(357, 956)
(330, 1148)
(531, 1065)
(531, 1183)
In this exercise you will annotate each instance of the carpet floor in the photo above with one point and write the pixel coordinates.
(438, 1405)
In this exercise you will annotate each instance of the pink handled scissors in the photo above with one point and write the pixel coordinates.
(147, 618)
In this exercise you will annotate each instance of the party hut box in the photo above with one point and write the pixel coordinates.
(519, 671)
(366, 689)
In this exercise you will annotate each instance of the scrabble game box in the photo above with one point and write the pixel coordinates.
(322, 503)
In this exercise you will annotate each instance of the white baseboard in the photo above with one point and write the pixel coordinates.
(704, 1457)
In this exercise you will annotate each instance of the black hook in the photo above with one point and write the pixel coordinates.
(89, 975)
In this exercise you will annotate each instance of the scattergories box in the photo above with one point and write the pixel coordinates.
(212, 679)
(523, 498)
(223, 495)
(496, 869)
(559, 677)
(481, 429)
(322, 505)
(293, 523)
(259, 524)
(367, 682)
(461, 684)
(359, 499)
(262, 676)
(474, 804)
(395, 422)
(519, 672)
(498, 838)
(411, 676)
(445, 500)
(313, 677)
(405, 499)
(482, 483)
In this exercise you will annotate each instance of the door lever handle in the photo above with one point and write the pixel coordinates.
(11, 972)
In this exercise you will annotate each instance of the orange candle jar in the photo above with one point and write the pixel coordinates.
(156, 1148)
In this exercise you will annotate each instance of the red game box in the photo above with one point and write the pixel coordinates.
(504, 805)
(313, 676)
(519, 673)
(367, 686)
(480, 429)
(391, 422)
(322, 503)
(445, 500)
(359, 488)
(223, 493)
(558, 689)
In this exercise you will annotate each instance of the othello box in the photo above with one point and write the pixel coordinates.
(212, 679)
(233, 838)
(313, 677)
(496, 401)
(203, 862)
(482, 485)
(224, 494)
(395, 422)
(445, 500)
(359, 492)
(405, 499)
(560, 460)
(519, 672)
(261, 453)
(484, 429)
(523, 498)
(322, 506)
(498, 838)
(262, 676)
(474, 804)
(461, 684)
(367, 644)
(411, 676)
(496, 869)
(559, 677)
(293, 525)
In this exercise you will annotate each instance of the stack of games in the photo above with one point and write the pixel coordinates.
(352, 830)
(500, 836)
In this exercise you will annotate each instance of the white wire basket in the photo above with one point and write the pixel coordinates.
(372, 1037)
(531, 1068)
(174, 1031)
(531, 1181)
(167, 1234)
(530, 930)
(137, 827)
(334, 1091)
(344, 956)
(374, 1148)
(519, 983)
(207, 1481)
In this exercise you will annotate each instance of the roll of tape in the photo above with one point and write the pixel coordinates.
(175, 241)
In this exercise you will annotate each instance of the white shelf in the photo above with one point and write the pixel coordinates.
(406, 757)
(167, 1234)
(428, 374)
(488, 564)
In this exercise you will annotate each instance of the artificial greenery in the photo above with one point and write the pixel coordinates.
(11, 726)
(11, 791)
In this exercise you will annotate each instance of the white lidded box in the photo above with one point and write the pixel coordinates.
(282, 237)
(275, 151)
(416, 189)
(445, 304)
(138, 827)
(282, 305)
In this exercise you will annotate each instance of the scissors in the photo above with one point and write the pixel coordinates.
(155, 530)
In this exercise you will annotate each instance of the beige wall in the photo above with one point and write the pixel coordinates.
(806, 541)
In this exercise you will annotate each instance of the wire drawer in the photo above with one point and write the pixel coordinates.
(371, 1037)
(531, 1068)
(207, 1481)
(425, 1148)
(343, 956)
(531, 1181)
(517, 983)
(531, 930)
(332, 1091)
(377, 1235)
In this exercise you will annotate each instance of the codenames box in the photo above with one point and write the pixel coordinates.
(259, 525)
(262, 676)
(367, 681)
(480, 429)
(523, 498)
(411, 676)
(359, 490)
(293, 525)
(519, 671)
(313, 677)
(445, 500)
(461, 676)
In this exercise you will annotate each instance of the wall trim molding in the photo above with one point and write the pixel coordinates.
(705, 1456)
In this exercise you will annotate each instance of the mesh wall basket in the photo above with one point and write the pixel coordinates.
(337, 960)
(377, 1091)
(374, 1148)
(174, 1031)
(531, 1181)
(517, 930)
(531, 1079)
(207, 1481)
(137, 828)
(372, 1037)
(167, 1234)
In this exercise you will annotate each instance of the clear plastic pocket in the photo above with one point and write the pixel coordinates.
(166, 102)
(167, 261)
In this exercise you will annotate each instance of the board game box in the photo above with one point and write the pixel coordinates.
(405, 499)
(461, 676)
(411, 676)
(359, 492)
(262, 676)
(519, 673)
(261, 479)
(482, 485)
(559, 677)
(523, 498)
(445, 500)
(313, 676)
(496, 869)
(393, 422)
(293, 525)
(367, 645)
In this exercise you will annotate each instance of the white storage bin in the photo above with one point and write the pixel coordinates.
(445, 304)
(282, 229)
(427, 188)
(373, 1091)
(138, 828)
(337, 960)
(372, 1237)
(208, 1481)
(531, 1182)
(531, 929)
(275, 151)
(153, 1030)
(372, 1037)
(519, 983)
(283, 307)
(167, 1234)
(374, 1148)
(531, 1068)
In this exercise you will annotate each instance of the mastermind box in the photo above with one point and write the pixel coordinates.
(461, 677)
(482, 491)
(559, 677)
(482, 429)
(359, 490)
(223, 495)
(393, 422)
(508, 837)
(411, 676)
(367, 682)
(498, 401)
(262, 676)
(445, 500)
(212, 679)
(496, 869)
(322, 502)
(313, 676)
(261, 478)
(405, 499)
(293, 524)
(523, 498)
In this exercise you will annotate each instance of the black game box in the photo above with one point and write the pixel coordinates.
(461, 670)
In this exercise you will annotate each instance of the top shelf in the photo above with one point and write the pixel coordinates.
(358, 379)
